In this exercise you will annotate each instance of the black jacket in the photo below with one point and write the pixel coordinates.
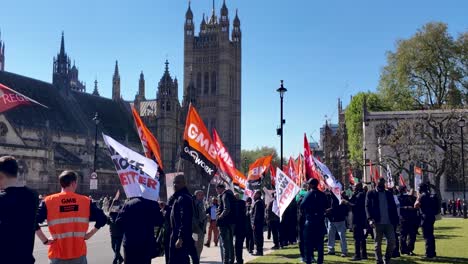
(338, 211)
(226, 212)
(137, 221)
(258, 213)
(407, 210)
(241, 225)
(18, 206)
(181, 214)
(248, 215)
(313, 207)
(359, 208)
(373, 210)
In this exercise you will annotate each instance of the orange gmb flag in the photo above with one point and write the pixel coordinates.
(300, 170)
(199, 148)
(273, 175)
(148, 141)
(257, 168)
(10, 99)
(225, 162)
(292, 170)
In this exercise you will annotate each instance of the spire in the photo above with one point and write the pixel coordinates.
(167, 66)
(237, 20)
(96, 91)
(116, 70)
(224, 9)
(62, 45)
(141, 87)
(189, 13)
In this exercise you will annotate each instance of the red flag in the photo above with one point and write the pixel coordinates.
(300, 170)
(402, 180)
(226, 164)
(292, 170)
(308, 159)
(273, 175)
(351, 177)
(257, 168)
(148, 141)
(10, 99)
(376, 175)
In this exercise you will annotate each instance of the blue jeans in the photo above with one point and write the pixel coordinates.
(80, 260)
(339, 227)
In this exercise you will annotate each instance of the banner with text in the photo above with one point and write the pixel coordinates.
(286, 190)
(334, 185)
(137, 173)
(199, 148)
(256, 171)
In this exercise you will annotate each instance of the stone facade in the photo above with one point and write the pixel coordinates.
(429, 139)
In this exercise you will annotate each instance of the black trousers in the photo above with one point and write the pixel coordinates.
(396, 250)
(360, 248)
(239, 246)
(193, 253)
(136, 255)
(116, 243)
(408, 233)
(300, 231)
(249, 241)
(274, 226)
(258, 237)
(313, 238)
(428, 234)
(179, 255)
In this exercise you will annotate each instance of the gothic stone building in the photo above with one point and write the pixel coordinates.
(48, 140)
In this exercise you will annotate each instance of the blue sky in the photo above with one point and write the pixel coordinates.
(322, 49)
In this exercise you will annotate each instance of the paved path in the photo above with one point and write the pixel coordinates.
(99, 251)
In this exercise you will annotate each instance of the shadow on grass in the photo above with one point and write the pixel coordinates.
(446, 228)
(447, 260)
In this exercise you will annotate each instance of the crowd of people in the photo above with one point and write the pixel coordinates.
(180, 228)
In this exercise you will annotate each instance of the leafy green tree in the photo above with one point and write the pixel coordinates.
(354, 118)
(420, 73)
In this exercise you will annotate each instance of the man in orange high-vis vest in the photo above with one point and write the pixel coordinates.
(68, 215)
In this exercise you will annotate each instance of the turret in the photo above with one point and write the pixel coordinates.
(141, 87)
(236, 32)
(224, 20)
(189, 26)
(96, 91)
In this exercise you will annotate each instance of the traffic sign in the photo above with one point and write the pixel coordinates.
(93, 183)
(94, 175)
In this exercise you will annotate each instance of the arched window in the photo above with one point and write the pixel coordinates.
(206, 83)
(168, 106)
(199, 84)
(213, 82)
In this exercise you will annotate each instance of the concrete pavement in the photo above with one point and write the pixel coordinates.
(99, 250)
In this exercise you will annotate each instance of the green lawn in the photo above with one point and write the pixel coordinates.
(451, 246)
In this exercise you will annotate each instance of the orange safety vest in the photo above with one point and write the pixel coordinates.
(68, 220)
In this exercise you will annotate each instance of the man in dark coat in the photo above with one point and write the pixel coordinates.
(249, 241)
(181, 241)
(225, 219)
(137, 221)
(428, 205)
(240, 229)
(382, 215)
(257, 220)
(358, 206)
(408, 221)
(313, 208)
(273, 222)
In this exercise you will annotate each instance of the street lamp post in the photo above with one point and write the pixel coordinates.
(450, 140)
(461, 124)
(281, 91)
(96, 121)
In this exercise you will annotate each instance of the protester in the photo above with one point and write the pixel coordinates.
(166, 213)
(301, 221)
(225, 219)
(382, 216)
(249, 240)
(18, 207)
(358, 205)
(68, 215)
(273, 222)
(428, 206)
(336, 214)
(257, 221)
(199, 222)
(181, 215)
(115, 231)
(313, 209)
(212, 228)
(408, 222)
(240, 229)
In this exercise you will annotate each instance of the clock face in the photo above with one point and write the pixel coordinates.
(3, 129)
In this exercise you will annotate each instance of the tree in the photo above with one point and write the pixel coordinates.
(423, 69)
(354, 116)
